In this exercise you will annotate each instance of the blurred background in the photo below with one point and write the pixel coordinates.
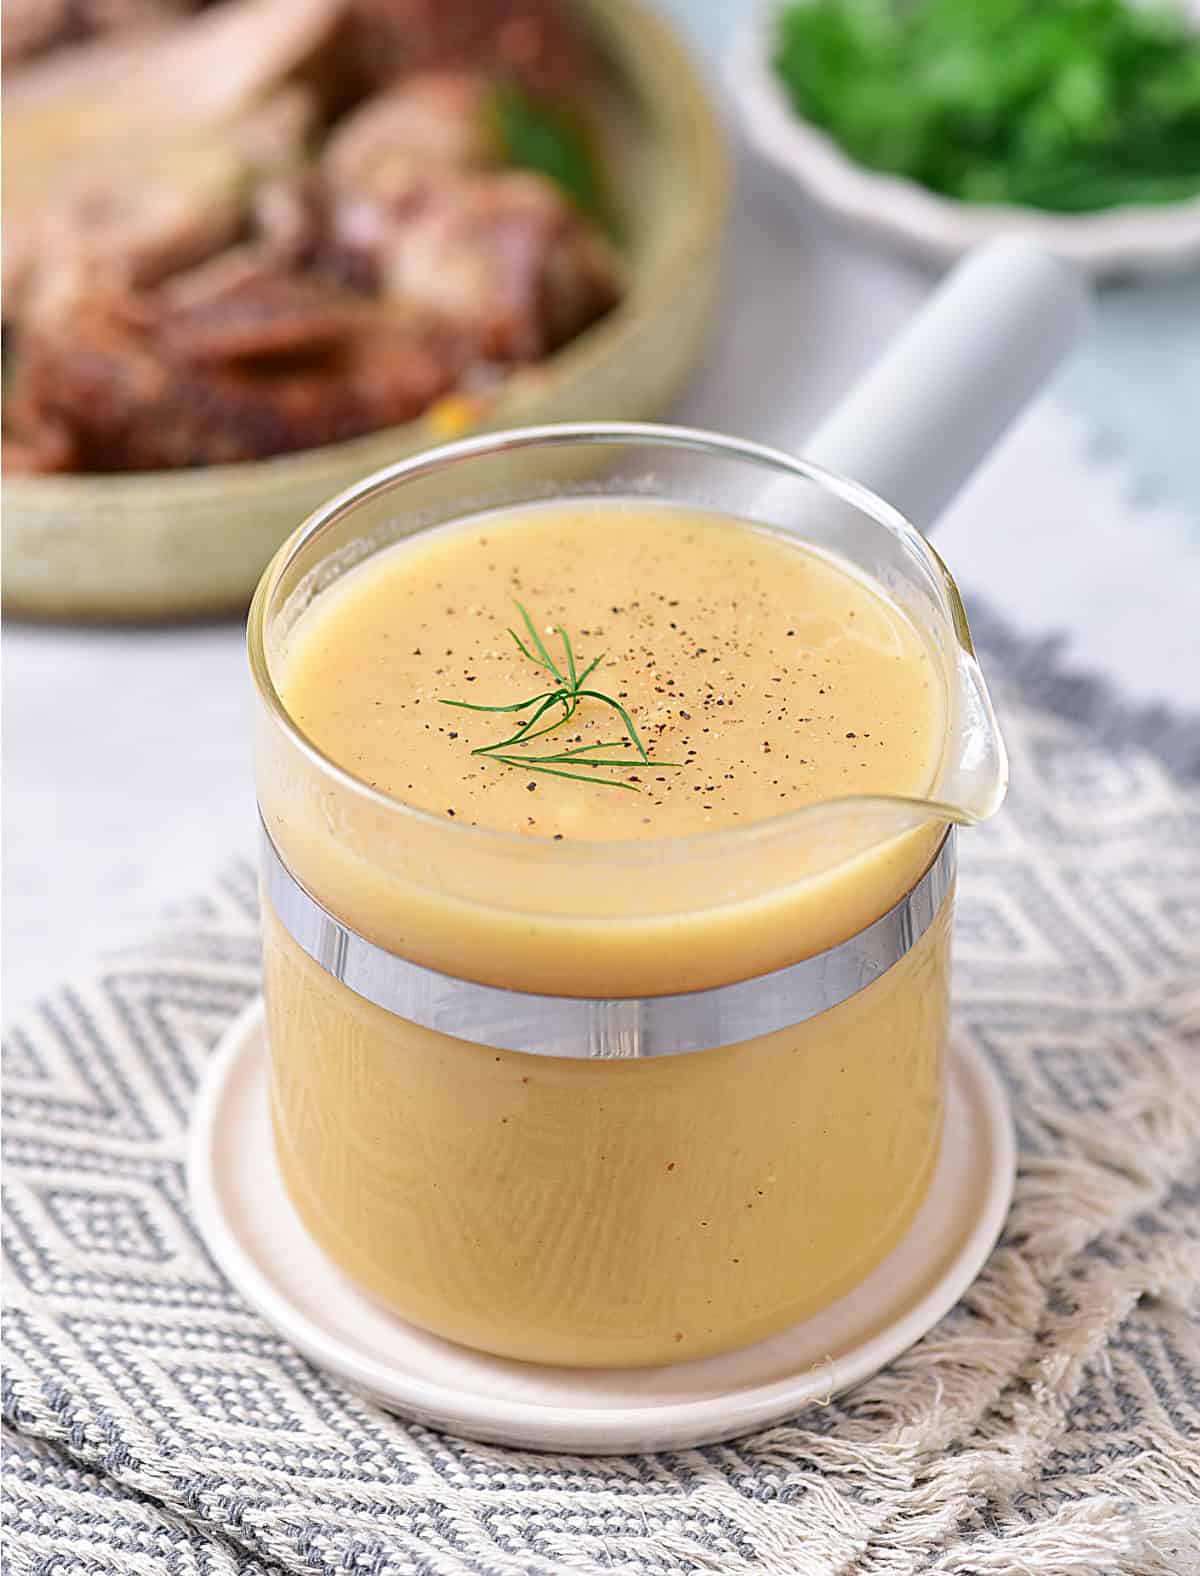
(307, 233)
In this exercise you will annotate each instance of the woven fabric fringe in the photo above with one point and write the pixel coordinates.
(1049, 1425)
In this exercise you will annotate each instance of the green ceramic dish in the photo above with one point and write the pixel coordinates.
(176, 544)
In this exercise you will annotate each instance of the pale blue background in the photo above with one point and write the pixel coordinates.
(1138, 377)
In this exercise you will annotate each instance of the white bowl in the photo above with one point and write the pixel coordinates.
(1131, 239)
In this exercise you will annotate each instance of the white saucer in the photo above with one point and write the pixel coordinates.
(257, 1239)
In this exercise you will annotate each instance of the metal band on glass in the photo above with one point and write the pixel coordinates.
(579, 1026)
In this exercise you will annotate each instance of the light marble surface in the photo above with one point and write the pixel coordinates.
(127, 753)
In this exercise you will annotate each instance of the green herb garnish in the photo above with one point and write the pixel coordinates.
(569, 689)
(553, 140)
(1069, 105)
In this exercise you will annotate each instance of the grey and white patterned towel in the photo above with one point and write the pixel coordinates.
(1050, 1424)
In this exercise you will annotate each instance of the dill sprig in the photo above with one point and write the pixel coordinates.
(569, 689)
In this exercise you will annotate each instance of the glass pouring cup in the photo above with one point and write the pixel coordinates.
(482, 1107)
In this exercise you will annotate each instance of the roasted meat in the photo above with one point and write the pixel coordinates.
(28, 27)
(244, 307)
(170, 385)
(140, 219)
(532, 40)
(115, 16)
(287, 218)
(503, 255)
(410, 136)
(145, 208)
(200, 69)
(138, 154)
(419, 211)
(216, 249)
(35, 444)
